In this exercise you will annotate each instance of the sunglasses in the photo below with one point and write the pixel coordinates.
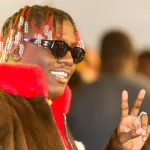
(60, 48)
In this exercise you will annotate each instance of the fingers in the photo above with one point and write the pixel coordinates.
(147, 133)
(136, 123)
(137, 104)
(140, 124)
(124, 105)
(143, 131)
(144, 125)
(144, 121)
(124, 137)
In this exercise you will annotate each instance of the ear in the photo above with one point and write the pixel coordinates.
(17, 51)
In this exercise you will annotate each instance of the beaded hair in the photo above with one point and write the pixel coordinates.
(35, 20)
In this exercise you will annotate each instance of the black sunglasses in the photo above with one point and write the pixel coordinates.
(60, 48)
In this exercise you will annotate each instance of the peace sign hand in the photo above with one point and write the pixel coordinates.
(132, 131)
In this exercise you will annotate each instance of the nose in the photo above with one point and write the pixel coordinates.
(67, 59)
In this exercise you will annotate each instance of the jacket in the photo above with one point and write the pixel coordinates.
(27, 122)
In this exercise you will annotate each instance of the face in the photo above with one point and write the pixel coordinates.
(145, 69)
(58, 71)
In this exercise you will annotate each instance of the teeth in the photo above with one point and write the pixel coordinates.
(64, 74)
(61, 76)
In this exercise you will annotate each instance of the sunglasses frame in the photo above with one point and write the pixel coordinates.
(50, 45)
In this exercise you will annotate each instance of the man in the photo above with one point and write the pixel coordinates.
(43, 36)
(144, 63)
(143, 70)
(95, 110)
(51, 41)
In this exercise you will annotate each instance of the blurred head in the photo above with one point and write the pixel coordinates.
(47, 37)
(144, 63)
(117, 54)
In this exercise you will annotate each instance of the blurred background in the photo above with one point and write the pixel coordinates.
(116, 34)
(96, 16)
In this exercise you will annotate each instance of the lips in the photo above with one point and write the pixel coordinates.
(61, 75)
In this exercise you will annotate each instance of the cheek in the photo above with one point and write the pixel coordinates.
(36, 60)
(43, 63)
(39, 60)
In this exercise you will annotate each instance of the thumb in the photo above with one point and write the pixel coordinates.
(124, 137)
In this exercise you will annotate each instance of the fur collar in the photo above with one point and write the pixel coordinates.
(24, 80)
(29, 81)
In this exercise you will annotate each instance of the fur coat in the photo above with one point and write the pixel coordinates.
(26, 120)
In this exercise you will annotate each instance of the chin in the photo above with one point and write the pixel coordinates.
(55, 92)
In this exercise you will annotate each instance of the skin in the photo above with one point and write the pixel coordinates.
(132, 134)
(144, 69)
(44, 58)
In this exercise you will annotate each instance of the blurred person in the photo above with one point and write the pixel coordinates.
(117, 54)
(142, 74)
(144, 64)
(95, 111)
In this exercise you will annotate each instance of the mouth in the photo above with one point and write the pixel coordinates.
(61, 76)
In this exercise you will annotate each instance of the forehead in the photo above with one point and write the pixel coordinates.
(68, 33)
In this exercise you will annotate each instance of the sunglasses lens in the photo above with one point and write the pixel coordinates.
(77, 54)
(59, 49)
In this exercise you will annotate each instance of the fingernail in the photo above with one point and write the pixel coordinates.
(144, 132)
(139, 131)
(143, 113)
(144, 138)
(142, 94)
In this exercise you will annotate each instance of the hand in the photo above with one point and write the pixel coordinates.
(132, 131)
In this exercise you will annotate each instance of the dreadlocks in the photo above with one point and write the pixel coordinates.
(40, 20)
(39, 14)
